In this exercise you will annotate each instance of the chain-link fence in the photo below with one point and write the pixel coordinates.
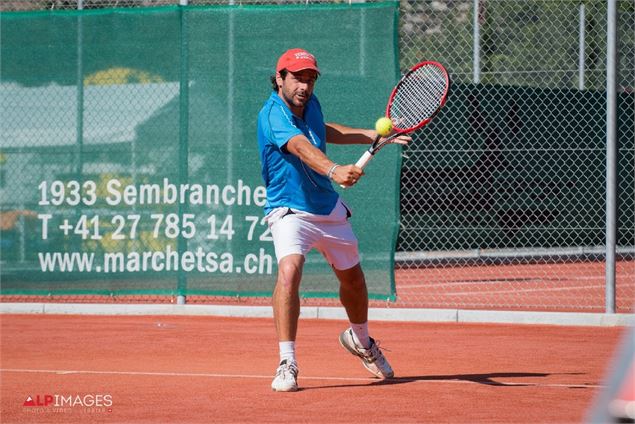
(511, 181)
(102, 4)
(503, 197)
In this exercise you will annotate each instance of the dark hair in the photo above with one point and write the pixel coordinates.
(274, 83)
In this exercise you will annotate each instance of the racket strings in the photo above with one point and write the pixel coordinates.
(418, 97)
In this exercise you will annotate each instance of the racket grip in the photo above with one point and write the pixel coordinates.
(366, 157)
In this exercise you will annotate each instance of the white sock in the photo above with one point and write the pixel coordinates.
(360, 334)
(287, 351)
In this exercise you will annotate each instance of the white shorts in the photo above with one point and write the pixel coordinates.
(297, 232)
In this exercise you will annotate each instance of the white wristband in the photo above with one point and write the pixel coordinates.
(330, 173)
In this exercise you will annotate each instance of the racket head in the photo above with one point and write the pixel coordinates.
(418, 96)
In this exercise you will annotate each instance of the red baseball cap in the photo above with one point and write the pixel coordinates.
(295, 60)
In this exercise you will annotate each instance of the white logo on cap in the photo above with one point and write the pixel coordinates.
(304, 55)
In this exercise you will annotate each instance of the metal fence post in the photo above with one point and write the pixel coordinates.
(80, 90)
(79, 107)
(476, 43)
(611, 152)
(581, 47)
(183, 139)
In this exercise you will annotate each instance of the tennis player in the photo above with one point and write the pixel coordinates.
(304, 212)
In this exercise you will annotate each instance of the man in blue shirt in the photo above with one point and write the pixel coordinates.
(304, 212)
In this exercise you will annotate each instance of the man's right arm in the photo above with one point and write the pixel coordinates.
(301, 147)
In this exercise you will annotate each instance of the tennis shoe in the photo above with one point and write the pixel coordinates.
(286, 379)
(372, 358)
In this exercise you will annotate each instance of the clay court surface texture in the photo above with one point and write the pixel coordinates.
(178, 369)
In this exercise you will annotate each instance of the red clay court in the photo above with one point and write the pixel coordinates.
(155, 369)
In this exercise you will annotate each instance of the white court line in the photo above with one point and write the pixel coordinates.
(398, 380)
(521, 290)
(533, 289)
(171, 374)
(515, 283)
(601, 279)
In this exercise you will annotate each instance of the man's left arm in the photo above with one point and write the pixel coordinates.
(341, 134)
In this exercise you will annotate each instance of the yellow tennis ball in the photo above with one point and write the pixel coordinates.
(383, 126)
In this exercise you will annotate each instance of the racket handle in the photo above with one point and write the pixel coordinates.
(366, 157)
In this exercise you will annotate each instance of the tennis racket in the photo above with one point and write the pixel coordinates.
(415, 100)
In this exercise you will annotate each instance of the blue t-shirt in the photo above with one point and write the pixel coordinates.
(290, 182)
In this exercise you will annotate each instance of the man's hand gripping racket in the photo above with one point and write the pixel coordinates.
(415, 100)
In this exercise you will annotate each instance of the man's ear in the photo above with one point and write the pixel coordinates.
(279, 79)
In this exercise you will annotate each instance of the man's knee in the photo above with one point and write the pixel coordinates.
(357, 283)
(290, 272)
(352, 278)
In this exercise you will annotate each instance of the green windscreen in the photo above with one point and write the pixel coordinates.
(129, 160)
